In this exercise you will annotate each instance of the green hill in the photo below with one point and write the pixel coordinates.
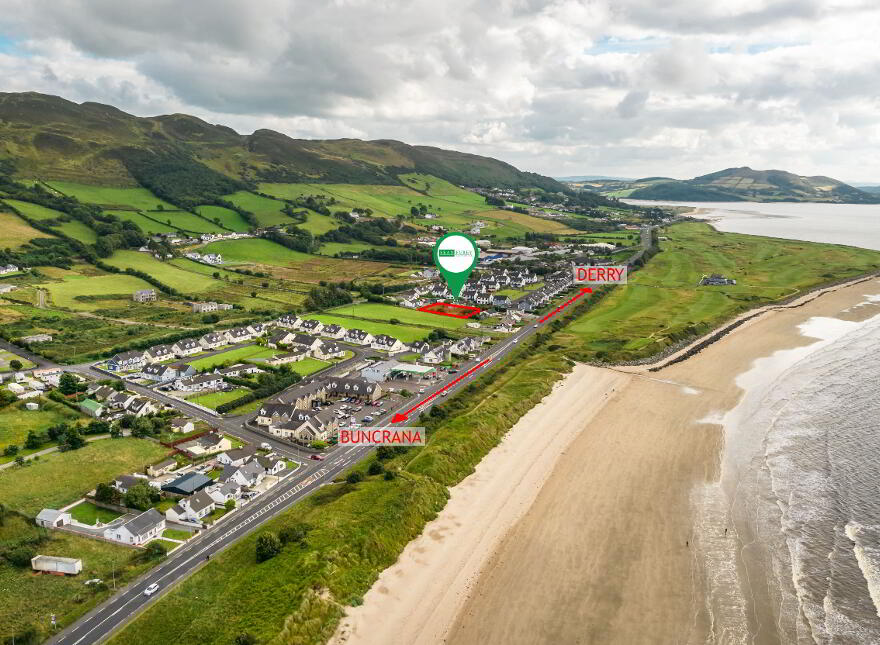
(745, 184)
(186, 160)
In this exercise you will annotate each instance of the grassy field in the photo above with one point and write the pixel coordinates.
(213, 399)
(78, 231)
(187, 222)
(73, 228)
(318, 224)
(332, 248)
(62, 477)
(146, 224)
(16, 420)
(88, 513)
(17, 232)
(228, 218)
(267, 211)
(137, 198)
(663, 303)
(235, 355)
(6, 357)
(308, 366)
(380, 312)
(255, 250)
(405, 333)
(165, 272)
(64, 293)
(27, 599)
(34, 211)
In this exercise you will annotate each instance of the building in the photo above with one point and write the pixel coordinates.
(141, 406)
(311, 343)
(238, 334)
(358, 337)
(138, 531)
(281, 337)
(212, 340)
(161, 373)
(336, 332)
(311, 326)
(144, 295)
(200, 382)
(388, 344)
(296, 353)
(237, 456)
(163, 467)
(206, 307)
(124, 483)
(159, 353)
(716, 280)
(186, 347)
(191, 509)
(56, 565)
(188, 484)
(326, 351)
(182, 424)
(289, 321)
(8, 268)
(357, 388)
(50, 518)
(206, 444)
(123, 361)
(91, 408)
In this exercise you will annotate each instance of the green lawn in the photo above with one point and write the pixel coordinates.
(137, 198)
(27, 599)
(213, 399)
(308, 366)
(78, 231)
(235, 355)
(663, 303)
(64, 293)
(380, 312)
(176, 534)
(318, 224)
(88, 513)
(165, 272)
(405, 333)
(6, 357)
(267, 211)
(228, 218)
(16, 420)
(62, 477)
(255, 250)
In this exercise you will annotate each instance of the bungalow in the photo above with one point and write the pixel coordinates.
(125, 483)
(388, 344)
(354, 387)
(137, 531)
(163, 467)
(311, 326)
(237, 456)
(337, 332)
(212, 340)
(238, 334)
(206, 444)
(239, 369)
(127, 361)
(358, 337)
(222, 493)
(141, 406)
(296, 353)
(182, 424)
(191, 509)
(282, 337)
(186, 347)
(289, 321)
(159, 353)
(120, 400)
(272, 465)
(199, 383)
(100, 392)
(50, 518)
(304, 340)
(327, 351)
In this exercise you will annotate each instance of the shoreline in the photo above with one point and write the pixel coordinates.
(602, 529)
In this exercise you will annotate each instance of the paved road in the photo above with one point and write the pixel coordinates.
(36, 359)
(102, 621)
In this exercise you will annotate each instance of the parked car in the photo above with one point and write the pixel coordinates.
(265, 446)
(368, 418)
(153, 588)
(422, 390)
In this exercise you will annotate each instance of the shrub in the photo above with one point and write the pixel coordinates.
(354, 478)
(294, 533)
(20, 556)
(268, 546)
(375, 468)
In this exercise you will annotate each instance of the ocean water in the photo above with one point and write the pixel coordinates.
(790, 537)
(851, 224)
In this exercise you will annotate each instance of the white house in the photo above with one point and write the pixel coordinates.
(186, 347)
(199, 383)
(138, 531)
(191, 509)
(289, 321)
(237, 456)
(326, 351)
(336, 332)
(388, 344)
(358, 337)
(212, 341)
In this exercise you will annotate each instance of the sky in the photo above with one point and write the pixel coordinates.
(627, 88)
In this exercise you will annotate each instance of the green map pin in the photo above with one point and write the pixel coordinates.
(456, 255)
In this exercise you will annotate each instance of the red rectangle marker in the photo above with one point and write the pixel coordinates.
(458, 311)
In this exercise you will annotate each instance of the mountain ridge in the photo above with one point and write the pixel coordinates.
(53, 138)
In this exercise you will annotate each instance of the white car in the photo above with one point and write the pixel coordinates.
(515, 340)
(536, 326)
(153, 588)
(265, 446)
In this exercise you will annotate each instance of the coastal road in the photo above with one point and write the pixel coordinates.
(111, 615)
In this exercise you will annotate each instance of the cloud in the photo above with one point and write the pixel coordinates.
(629, 87)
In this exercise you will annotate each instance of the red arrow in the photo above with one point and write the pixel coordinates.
(565, 304)
(403, 416)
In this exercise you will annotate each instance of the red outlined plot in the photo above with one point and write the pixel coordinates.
(443, 309)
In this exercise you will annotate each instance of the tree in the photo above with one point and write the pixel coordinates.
(139, 496)
(68, 383)
(15, 364)
(268, 546)
(229, 504)
(71, 440)
(10, 451)
(375, 468)
(19, 461)
(389, 475)
(142, 427)
(354, 478)
(155, 550)
(107, 494)
(33, 441)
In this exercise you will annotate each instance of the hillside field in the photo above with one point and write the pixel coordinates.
(108, 197)
(228, 218)
(65, 292)
(267, 211)
(17, 232)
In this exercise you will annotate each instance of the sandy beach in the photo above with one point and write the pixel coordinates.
(590, 538)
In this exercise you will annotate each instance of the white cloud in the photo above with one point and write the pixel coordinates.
(631, 87)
